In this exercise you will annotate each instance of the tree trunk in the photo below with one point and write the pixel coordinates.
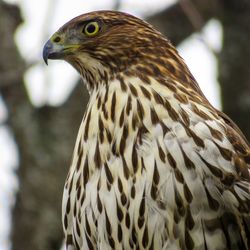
(234, 63)
(45, 138)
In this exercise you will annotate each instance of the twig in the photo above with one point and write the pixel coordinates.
(196, 20)
(117, 4)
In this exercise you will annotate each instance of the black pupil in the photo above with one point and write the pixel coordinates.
(91, 28)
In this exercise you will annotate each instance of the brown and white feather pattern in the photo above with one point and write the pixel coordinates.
(155, 166)
(145, 178)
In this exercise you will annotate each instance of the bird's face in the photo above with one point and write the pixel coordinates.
(102, 43)
(105, 45)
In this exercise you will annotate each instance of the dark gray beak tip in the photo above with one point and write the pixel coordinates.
(46, 51)
(46, 61)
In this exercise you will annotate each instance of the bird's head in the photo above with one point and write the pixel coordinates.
(102, 44)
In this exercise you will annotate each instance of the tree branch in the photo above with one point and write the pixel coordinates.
(175, 23)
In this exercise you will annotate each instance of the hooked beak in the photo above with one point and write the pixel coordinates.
(52, 51)
(57, 47)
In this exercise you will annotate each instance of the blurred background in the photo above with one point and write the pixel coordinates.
(41, 107)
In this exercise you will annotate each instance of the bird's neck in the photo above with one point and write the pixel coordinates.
(158, 62)
(111, 120)
(127, 102)
(112, 106)
(122, 112)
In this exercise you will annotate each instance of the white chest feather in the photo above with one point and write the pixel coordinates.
(147, 172)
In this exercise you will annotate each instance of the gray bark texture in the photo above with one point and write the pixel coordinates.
(45, 136)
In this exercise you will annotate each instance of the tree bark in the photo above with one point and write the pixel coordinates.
(234, 61)
(176, 24)
(45, 138)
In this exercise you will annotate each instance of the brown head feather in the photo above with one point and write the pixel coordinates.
(125, 44)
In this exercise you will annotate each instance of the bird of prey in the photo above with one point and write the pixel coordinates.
(155, 165)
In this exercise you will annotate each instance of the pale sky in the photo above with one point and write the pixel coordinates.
(45, 85)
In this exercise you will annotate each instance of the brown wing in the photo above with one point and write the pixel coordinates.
(230, 123)
(242, 164)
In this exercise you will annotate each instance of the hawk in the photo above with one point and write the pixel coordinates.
(155, 165)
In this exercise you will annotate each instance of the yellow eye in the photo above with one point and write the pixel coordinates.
(91, 29)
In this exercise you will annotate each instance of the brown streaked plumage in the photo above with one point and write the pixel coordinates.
(155, 166)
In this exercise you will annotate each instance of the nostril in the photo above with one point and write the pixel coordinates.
(57, 39)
